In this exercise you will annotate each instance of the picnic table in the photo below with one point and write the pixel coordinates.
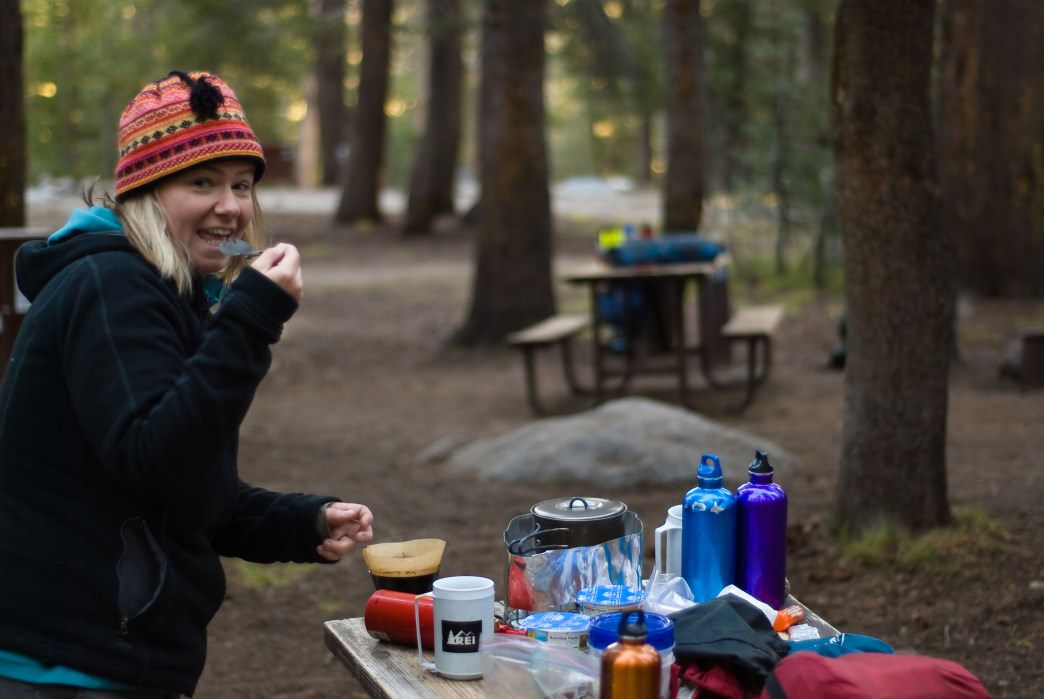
(669, 283)
(657, 338)
(390, 671)
(12, 305)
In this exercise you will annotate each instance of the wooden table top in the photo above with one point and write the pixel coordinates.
(390, 671)
(23, 233)
(601, 272)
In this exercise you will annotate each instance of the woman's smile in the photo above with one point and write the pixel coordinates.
(206, 206)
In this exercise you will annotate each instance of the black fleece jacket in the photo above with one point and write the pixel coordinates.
(119, 416)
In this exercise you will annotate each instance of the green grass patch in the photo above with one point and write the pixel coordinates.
(972, 334)
(333, 609)
(269, 575)
(947, 550)
(755, 280)
(1031, 320)
(317, 250)
(574, 304)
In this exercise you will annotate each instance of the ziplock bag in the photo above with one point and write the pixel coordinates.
(517, 667)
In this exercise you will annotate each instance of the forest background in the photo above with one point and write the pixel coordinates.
(604, 85)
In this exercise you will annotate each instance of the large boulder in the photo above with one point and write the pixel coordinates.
(624, 442)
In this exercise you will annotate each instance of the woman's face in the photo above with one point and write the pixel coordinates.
(207, 205)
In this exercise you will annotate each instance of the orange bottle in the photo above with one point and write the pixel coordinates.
(631, 667)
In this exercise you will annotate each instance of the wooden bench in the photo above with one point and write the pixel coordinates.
(755, 325)
(556, 330)
(11, 312)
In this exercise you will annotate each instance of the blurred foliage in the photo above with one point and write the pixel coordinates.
(605, 71)
(86, 59)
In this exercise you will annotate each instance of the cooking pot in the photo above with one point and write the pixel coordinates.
(571, 522)
(599, 543)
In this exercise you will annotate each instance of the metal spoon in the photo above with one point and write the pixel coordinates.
(238, 248)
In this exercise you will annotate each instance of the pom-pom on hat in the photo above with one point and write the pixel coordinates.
(178, 122)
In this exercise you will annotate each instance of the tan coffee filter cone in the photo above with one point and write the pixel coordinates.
(404, 559)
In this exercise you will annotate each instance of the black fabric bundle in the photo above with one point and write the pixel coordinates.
(732, 632)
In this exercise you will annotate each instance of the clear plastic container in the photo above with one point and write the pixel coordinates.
(557, 628)
(659, 634)
(608, 598)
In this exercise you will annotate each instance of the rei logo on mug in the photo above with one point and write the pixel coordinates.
(461, 636)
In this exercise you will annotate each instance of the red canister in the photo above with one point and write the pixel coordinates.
(389, 617)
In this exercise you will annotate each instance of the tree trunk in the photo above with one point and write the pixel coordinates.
(826, 230)
(12, 116)
(646, 89)
(362, 186)
(683, 58)
(512, 282)
(781, 138)
(898, 277)
(643, 169)
(991, 140)
(738, 14)
(331, 40)
(435, 168)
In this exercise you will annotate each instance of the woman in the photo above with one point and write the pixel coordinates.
(120, 410)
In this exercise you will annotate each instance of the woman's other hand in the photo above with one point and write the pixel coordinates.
(282, 264)
(350, 524)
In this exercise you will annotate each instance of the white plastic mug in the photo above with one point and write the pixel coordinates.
(668, 543)
(463, 617)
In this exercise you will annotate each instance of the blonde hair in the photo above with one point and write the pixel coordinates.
(145, 225)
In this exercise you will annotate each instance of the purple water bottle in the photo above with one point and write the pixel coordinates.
(761, 534)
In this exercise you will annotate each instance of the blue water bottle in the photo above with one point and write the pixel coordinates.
(761, 534)
(708, 533)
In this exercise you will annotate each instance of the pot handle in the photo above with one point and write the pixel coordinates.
(515, 545)
(586, 506)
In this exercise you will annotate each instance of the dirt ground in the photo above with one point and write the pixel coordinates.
(364, 381)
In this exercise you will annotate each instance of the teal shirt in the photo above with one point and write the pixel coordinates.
(26, 669)
(99, 219)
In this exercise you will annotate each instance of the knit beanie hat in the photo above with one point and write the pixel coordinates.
(179, 122)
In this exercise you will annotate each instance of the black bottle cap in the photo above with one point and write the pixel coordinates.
(760, 464)
(633, 630)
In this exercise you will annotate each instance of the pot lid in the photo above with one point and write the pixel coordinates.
(578, 509)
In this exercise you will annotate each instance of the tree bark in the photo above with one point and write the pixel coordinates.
(361, 187)
(781, 137)
(644, 155)
(512, 283)
(435, 167)
(331, 39)
(738, 14)
(683, 58)
(991, 142)
(647, 91)
(898, 276)
(12, 116)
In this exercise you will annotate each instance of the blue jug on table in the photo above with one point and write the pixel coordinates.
(761, 541)
(708, 532)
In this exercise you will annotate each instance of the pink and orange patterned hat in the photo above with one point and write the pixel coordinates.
(178, 122)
